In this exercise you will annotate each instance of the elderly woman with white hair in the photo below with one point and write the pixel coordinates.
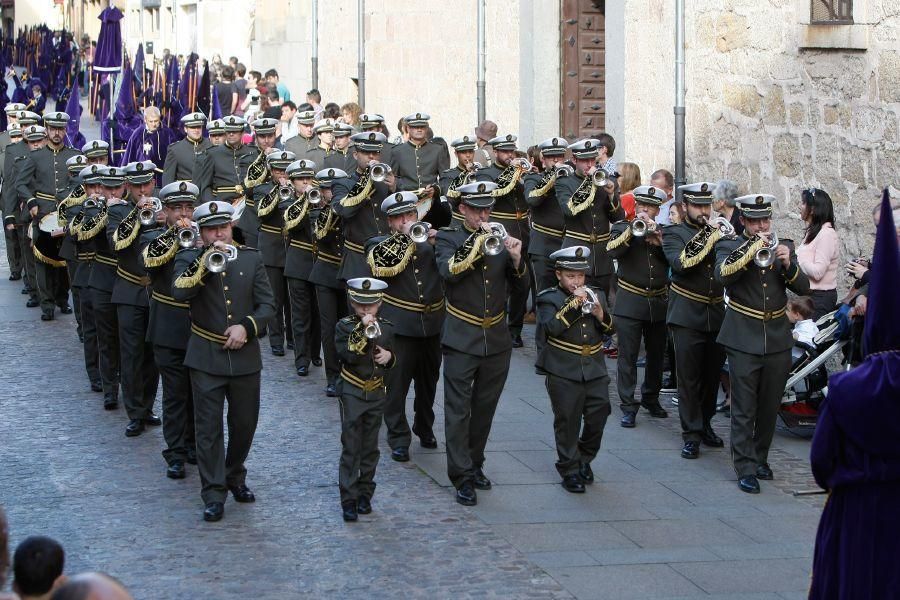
(150, 141)
(723, 203)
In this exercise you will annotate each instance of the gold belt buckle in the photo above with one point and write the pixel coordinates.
(585, 350)
(239, 189)
(486, 323)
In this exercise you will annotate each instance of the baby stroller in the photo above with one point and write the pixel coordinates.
(807, 384)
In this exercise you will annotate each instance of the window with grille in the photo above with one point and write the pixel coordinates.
(831, 12)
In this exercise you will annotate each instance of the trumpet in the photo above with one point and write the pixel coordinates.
(94, 202)
(372, 330)
(418, 231)
(564, 171)
(188, 235)
(591, 302)
(521, 163)
(313, 196)
(217, 260)
(493, 243)
(765, 256)
(723, 225)
(285, 192)
(640, 227)
(600, 178)
(379, 171)
(147, 215)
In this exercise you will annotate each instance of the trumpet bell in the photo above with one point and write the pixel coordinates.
(379, 172)
(639, 228)
(765, 257)
(372, 330)
(147, 216)
(186, 237)
(314, 196)
(493, 245)
(217, 260)
(564, 171)
(285, 192)
(600, 178)
(418, 232)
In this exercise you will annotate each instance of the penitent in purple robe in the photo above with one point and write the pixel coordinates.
(856, 450)
(154, 146)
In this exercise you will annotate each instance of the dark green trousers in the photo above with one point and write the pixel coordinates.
(177, 403)
(85, 307)
(580, 410)
(420, 365)
(332, 305)
(699, 361)
(140, 378)
(360, 423)
(52, 285)
(27, 261)
(107, 320)
(13, 251)
(631, 332)
(305, 324)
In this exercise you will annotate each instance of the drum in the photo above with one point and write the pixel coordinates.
(46, 245)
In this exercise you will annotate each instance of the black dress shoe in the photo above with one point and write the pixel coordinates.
(400, 454)
(749, 484)
(655, 410)
(134, 428)
(65, 309)
(110, 402)
(15, 276)
(47, 316)
(690, 450)
(191, 456)
(428, 441)
(25, 291)
(709, 438)
(466, 495)
(627, 420)
(317, 362)
(349, 510)
(763, 471)
(214, 511)
(80, 338)
(517, 341)
(96, 386)
(331, 390)
(152, 420)
(573, 483)
(303, 371)
(289, 344)
(176, 470)
(586, 473)
(481, 480)
(32, 303)
(363, 505)
(242, 494)
(278, 350)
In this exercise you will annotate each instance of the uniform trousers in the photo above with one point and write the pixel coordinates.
(220, 468)
(72, 265)
(305, 321)
(177, 403)
(332, 308)
(631, 331)
(360, 423)
(89, 332)
(139, 375)
(13, 251)
(699, 361)
(472, 387)
(280, 291)
(580, 410)
(757, 385)
(419, 362)
(27, 260)
(545, 277)
(107, 320)
(53, 286)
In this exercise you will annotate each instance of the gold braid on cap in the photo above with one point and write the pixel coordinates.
(325, 223)
(622, 238)
(295, 213)
(361, 190)
(507, 180)
(127, 231)
(75, 197)
(699, 246)
(192, 276)
(468, 254)
(583, 196)
(258, 172)
(547, 183)
(162, 249)
(268, 203)
(741, 256)
(389, 257)
(91, 226)
(357, 340)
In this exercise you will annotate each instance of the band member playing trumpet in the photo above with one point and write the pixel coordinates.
(511, 211)
(364, 343)
(461, 174)
(228, 309)
(170, 325)
(296, 218)
(414, 303)
(756, 270)
(475, 340)
(640, 309)
(694, 316)
(575, 318)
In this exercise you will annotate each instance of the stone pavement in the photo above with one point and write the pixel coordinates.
(652, 526)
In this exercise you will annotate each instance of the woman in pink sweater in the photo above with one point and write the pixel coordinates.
(819, 253)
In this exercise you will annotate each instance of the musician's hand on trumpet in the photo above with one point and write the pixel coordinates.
(783, 255)
(589, 299)
(514, 247)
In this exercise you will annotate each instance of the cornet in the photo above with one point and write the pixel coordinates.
(418, 231)
(521, 163)
(372, 330)
(591, 302)
(147, 216)
(723, 225)
(600, 178)
(218, 259)
(94, 202)
(564, 171)
(313, 196)
(379, 171)
(188, 235)
(640, 227)
(493, 243)
(285, 192)
(765, 256)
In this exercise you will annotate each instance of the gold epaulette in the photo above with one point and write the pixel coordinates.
(268, 203)
(547, 183)
(193, 275)
(91, 226)
(741, 256)
(466, 255)
(162, 249)
(622, 238)
(390, 257)
(699, 246)
(258, 172)
(357, 340)
(127, 231)
(583, 197)
(325, 222)
(360, 191)
(507, 181)
(295, 213)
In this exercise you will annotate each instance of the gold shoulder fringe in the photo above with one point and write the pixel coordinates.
(357, 340)
(193, 275)
(582, 198)
(324, 223)
(741, 256)
(268, 203)
(622, 238)
(390, 257)
(258, 172)
(466, 255)
(358, 195)
(127, 231)
(295, 213)
(46, 259)
(91, 226)
(507, 181)
(162, 249)
(75, 197)
(547, 184)
(570, 303)
(697, 248)
(75, 225)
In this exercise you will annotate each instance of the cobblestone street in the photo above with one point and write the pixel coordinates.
(653, 526)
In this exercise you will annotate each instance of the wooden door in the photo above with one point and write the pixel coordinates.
(583, 67)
